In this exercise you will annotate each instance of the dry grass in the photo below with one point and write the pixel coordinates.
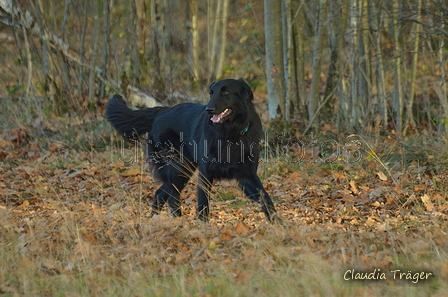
(182, 257)
(75, 222)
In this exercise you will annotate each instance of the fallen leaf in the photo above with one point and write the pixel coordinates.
(227, 262)
(428, 203)
(353, 187)
(370, 222)
(117, 165)
(382, 176)
(242, 228)
(418, 188)
(376, 204)
(24, 204)
(131, 172)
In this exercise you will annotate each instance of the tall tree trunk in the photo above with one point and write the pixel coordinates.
(409, 116)
(274, 58)
(317, 58)
(81, 48)
(132, 67)
(298, 40)
(290, 65)
(354, 59)
(364, 64)
(223, 20)
(52, 76)
(213, 40)
(440, 88)
(218, 40)
(65, 81)
(193, 38)
(337, 22)
(159, 45)
(398, 91)
(106, 44)
(380, 82)
(143, 19)
(29, 70)
(94, 53)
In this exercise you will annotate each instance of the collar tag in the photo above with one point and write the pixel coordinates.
(245, 129)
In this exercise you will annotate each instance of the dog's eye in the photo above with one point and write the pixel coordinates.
(224, 93)
(211, 92)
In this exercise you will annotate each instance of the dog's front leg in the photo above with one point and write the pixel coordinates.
(204, 190)
(253, 189)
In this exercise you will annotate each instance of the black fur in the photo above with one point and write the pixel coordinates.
(184, 138)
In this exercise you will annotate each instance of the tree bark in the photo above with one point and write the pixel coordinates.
(193, 38)
(409, 116)
(364, 82)
(398, 92)
(106, 44)
(441, 87)
(299, 40)
(380, 82)
(317, 58)
(159, 45)
(274, 58)
(354, 74)
(221, 51)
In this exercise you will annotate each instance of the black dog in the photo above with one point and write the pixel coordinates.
(222, 139)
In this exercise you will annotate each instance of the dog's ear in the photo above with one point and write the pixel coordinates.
(211, 85)
(246, 91)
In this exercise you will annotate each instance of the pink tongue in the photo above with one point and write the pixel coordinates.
(214, 118)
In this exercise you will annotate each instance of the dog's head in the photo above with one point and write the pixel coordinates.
(228, 98)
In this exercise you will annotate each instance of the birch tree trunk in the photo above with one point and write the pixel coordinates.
(298, 57)
(221, 50)
(354, 60)
(82, 47)
(317, 57)
(409, 116)
(94, 54)
(380, 83)
(132, 65)
(159, 45)
(289, 64)
(106, 44)
(143, 16)
(364, 106)
(193, 39)
(398, 92)
(441, 87)
(218, 40)
(274, 58)
(213, 40)
(337, 22)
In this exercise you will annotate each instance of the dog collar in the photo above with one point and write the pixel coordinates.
(245, 129)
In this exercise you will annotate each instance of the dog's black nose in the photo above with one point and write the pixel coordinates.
(209, 110)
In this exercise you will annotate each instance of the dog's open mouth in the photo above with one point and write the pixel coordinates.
(218, 118)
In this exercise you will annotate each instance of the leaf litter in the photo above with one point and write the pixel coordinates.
(62, 215)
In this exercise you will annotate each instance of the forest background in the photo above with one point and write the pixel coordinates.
(353, 98)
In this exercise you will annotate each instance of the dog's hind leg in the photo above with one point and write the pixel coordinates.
(204, 190)
(253, 189)
(170, 192)
(160, 199)
(173, 199)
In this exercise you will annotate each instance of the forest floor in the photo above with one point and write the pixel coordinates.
(74, 221)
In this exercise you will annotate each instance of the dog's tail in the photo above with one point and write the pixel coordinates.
(130, 123)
